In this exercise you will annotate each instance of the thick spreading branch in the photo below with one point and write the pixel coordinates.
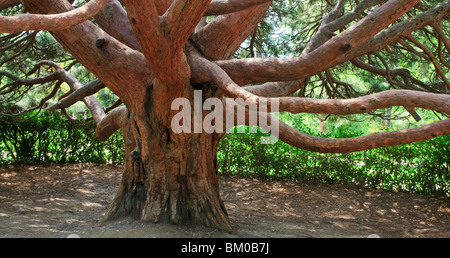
(181, 19)
(335, 23)
(50, 22)
(124, 70)
(113, 20)
(395, 32)
(114, 121)
(386, 99)
(162, 38)
(277, 89)
(325, 33)
(247, 71)
(222, 37)
(406, 98)
(377, 140)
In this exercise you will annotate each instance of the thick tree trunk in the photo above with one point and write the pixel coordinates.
(168, 177)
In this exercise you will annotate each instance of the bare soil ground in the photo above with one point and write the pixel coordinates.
(59, 200)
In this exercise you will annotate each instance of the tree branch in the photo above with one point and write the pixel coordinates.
(113, 19)
(8, 3)
(106, 124)
(50, 22)
(220, 7)
(153, 33)
(181, 19)
(344, 145)
(162, 6)
(442, 36)
(60, 75)
(91, 102)
(162, 40)
(324, 33)
(43, 100)
(391, 77)
(247, 71)
(366, 104)
(427, 51)
(221, 38)
(100, 54)
(10, 87)
(114, 121)
(64, 112)
(276, 89)
(338, 23)
(395, 32)
(19, 48)
(406, 98)
(77, 95)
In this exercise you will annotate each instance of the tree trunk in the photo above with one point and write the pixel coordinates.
(168, 177)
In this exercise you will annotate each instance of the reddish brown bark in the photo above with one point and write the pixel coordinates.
(23, 22)
(221, 38)
(168, 177)
(113, 20)
(377, 140)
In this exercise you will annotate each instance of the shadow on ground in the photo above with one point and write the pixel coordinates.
(59, 200)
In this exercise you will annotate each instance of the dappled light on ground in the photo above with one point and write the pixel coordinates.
(59, 200)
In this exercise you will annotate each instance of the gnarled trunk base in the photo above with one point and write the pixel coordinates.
(169, 178)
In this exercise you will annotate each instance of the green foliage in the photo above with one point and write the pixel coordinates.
(418, 168)
(48, 138)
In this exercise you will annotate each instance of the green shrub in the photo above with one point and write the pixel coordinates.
(418, 168)
(47, 138)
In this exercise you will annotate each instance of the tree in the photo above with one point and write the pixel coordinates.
(153, 53)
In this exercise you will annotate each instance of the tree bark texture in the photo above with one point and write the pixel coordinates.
(168, 177)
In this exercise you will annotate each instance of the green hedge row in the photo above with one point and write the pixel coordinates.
(47, 138)
(418, 168)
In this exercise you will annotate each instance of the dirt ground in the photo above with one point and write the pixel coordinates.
(60, 200)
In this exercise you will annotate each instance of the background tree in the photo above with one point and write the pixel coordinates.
(149, 53)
